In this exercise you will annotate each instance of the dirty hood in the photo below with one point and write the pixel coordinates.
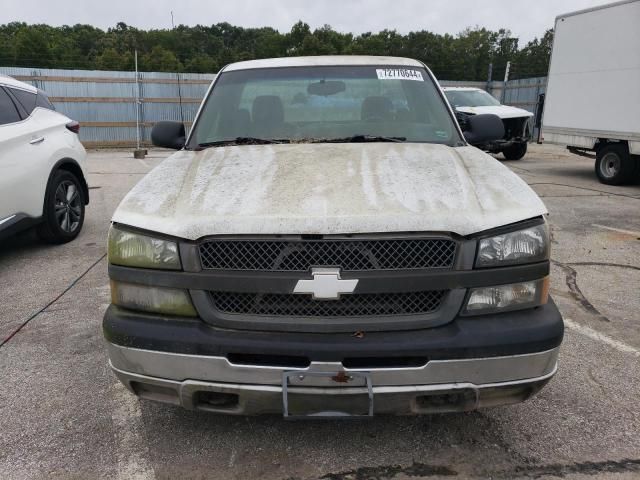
(328, 189)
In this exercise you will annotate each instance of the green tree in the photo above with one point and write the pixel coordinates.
(110, 59)
(31, 48)
(296, 37)
(533, 60)
(160, 59)
(202, 63)
(206, 48)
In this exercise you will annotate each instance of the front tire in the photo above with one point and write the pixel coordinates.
(515, 151)
(63, 213)
(614, 165)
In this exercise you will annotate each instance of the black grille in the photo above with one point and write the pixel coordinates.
(354, 305)
(350, 255)
(514, 127)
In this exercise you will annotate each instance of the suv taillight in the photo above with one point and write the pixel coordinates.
(73, 127)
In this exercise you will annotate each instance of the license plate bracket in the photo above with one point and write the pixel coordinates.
(287, 393)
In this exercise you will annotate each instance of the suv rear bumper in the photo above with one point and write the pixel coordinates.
(469, 363)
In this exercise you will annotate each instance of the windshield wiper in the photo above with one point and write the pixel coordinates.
(243, 141)
(360, 138)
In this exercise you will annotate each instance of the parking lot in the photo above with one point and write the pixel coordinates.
(64, 415)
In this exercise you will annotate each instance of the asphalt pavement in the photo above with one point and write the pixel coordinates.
(64, 415)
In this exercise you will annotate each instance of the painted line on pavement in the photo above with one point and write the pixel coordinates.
(619, 230)
(131, 449)
(601, 337)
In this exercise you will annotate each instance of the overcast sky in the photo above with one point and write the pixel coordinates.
(526, 18)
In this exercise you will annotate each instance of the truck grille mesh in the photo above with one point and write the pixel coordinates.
(353, 305)
(350, 255)
(514, 127)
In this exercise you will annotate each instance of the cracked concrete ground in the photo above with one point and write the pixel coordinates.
(63, 414)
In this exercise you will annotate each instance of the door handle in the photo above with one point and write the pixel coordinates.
(37, 140)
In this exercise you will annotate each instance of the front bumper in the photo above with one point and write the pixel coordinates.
(501, 145)
(470, 363)
(439, 386)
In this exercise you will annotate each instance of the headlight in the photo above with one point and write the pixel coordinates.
(135, 250)
(503, 298)
(168, 301)
(523, 246)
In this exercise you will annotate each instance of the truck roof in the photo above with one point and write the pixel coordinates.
(593, 9)
(12, 82)
(325, 60)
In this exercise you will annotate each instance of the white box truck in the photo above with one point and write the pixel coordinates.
(592, 103)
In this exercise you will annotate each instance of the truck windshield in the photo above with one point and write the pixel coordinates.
(470, 98)
(324, 104)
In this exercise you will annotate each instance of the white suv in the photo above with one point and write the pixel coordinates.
(42, 179)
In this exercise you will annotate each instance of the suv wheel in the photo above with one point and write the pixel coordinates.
(63, 213)
(515, 151)
(614, 165)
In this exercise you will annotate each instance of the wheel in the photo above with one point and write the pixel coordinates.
(63, 213)
(515, 151)
(614, 165)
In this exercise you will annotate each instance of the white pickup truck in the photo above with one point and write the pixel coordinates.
(326, 243)
(467, 101)
(592, 103)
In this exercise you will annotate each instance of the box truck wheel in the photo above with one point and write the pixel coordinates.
(515, 151)
(614, 165)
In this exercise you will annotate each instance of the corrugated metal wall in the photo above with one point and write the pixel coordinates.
(104, 102)
(524, 93)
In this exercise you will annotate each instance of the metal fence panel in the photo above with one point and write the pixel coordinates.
(169, 111)
(97, 112)
(524, 93)
(104, 102)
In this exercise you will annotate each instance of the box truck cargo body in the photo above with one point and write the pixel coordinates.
(592, 103)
